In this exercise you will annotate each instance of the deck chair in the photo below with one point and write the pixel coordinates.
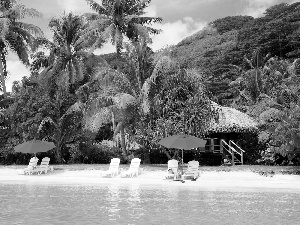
(113, 169)
(31, 168)
(192, 171)
(44, 167)
(172, 169)
(133, 169)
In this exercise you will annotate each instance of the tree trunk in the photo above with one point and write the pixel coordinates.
(257, 85)
(256, 76)
(57, 153)
(167, 154)
(123, 144)
(2, 80)
(114, 128)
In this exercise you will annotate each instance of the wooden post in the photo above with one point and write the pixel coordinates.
(221, 146)
(212, 142)
(232, 153)
(242, 156)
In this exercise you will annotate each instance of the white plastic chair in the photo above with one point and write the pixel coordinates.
(44, 167)
(173, 167)
(133, 169)
(192, 171)
(113, 169)
(31, 168)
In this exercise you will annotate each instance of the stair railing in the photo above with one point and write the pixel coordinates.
(241, 153)
(233, 151)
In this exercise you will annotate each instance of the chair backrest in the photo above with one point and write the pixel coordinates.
(193, 165)
(114, 164)
(135, 164)
(33, 162)
(45, 162)
(173, 164)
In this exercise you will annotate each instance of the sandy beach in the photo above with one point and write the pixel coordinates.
(209, 180)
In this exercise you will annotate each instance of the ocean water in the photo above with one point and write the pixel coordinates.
(140, 204)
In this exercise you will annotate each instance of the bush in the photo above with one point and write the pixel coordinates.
(208, 158)
(157, 156)
(90, 154)
(250, 144)
(15, 158)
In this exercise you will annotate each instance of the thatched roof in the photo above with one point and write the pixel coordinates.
(231, 120)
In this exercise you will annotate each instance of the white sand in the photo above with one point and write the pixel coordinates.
(218, 181)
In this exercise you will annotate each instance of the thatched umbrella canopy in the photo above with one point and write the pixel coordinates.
(231, 121)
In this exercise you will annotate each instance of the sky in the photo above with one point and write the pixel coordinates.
(181, 18)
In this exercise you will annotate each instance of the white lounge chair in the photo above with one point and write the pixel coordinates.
(172, 169)
(31, 168)
(113, 169)
(44, 167)
(192, 171)
(133, 169)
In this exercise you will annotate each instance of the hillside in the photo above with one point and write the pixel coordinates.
(229, 46)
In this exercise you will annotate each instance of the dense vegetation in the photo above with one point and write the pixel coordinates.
(97, 107)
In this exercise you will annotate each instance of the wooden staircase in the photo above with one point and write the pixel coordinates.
(233, 153)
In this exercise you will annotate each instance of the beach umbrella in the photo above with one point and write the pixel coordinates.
(183, 142)
(34, 146)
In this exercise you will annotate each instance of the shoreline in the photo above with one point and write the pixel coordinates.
(209, 180)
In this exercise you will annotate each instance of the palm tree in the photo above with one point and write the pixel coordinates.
(15, 35)
(116, 18)
(65, 65)
(119, 97)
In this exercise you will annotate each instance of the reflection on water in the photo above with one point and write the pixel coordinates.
(135, 204)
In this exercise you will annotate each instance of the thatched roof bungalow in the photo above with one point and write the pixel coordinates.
(231, 120)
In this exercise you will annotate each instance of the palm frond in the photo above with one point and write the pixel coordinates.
(139, 6)
(79, 68)
(26, 12)
(142, 31)
(42, 42)
(153, 30)
(32, 29)
(40, 60)
(58, 66)
(99, 110)
(98, 42)
(148, 20)
(111, 79)
(96, 7)
(17, 45)
(162, 66)
(55, 23)
(110, 31)
(19, 12)
(92, 16)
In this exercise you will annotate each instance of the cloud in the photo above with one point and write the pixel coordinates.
(106, 48)
(16, 70)
(174, 32)
(77, 6)
(151, 11)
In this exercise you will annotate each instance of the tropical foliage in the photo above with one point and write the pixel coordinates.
(114, 19)
(15, 35)
(248, 66)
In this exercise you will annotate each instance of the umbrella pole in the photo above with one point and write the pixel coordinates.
(181, 162)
